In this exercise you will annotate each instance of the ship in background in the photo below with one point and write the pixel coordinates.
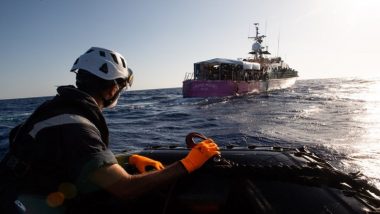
(226, 77)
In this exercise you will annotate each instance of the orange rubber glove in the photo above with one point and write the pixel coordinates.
(200, 154)
(141, 162)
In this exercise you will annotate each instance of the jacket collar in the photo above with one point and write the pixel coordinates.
(73, 93)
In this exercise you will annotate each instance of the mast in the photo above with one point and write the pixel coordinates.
(257, 47)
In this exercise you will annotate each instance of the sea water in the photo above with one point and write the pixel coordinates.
(338, 119)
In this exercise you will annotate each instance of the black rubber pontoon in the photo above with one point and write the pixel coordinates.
(260, 180)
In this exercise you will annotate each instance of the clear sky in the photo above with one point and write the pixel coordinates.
(40, 39)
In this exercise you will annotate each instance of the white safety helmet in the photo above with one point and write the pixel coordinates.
(105, 64)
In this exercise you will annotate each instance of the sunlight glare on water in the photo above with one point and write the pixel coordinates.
(366, 152)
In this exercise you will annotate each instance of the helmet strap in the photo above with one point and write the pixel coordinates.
(110, 103)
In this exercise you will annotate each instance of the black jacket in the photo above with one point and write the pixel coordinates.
(55, 149)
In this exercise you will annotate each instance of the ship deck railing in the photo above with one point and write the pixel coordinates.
(189, 76)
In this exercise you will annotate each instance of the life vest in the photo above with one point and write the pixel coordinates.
(22, 170)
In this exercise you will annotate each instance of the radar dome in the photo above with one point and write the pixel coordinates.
(256, 47)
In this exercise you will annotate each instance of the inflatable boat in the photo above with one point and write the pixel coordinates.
(259, 179)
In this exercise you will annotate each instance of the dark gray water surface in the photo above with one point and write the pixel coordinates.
(339, 119)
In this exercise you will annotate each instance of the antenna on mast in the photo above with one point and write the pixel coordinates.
(278, 43)
(265, 27)
(265, 32)
(249, 30)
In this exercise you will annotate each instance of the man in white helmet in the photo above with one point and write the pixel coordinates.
(59, 157)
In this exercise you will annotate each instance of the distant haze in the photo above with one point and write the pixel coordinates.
(40, 39)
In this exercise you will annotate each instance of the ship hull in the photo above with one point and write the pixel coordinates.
(221, 88)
